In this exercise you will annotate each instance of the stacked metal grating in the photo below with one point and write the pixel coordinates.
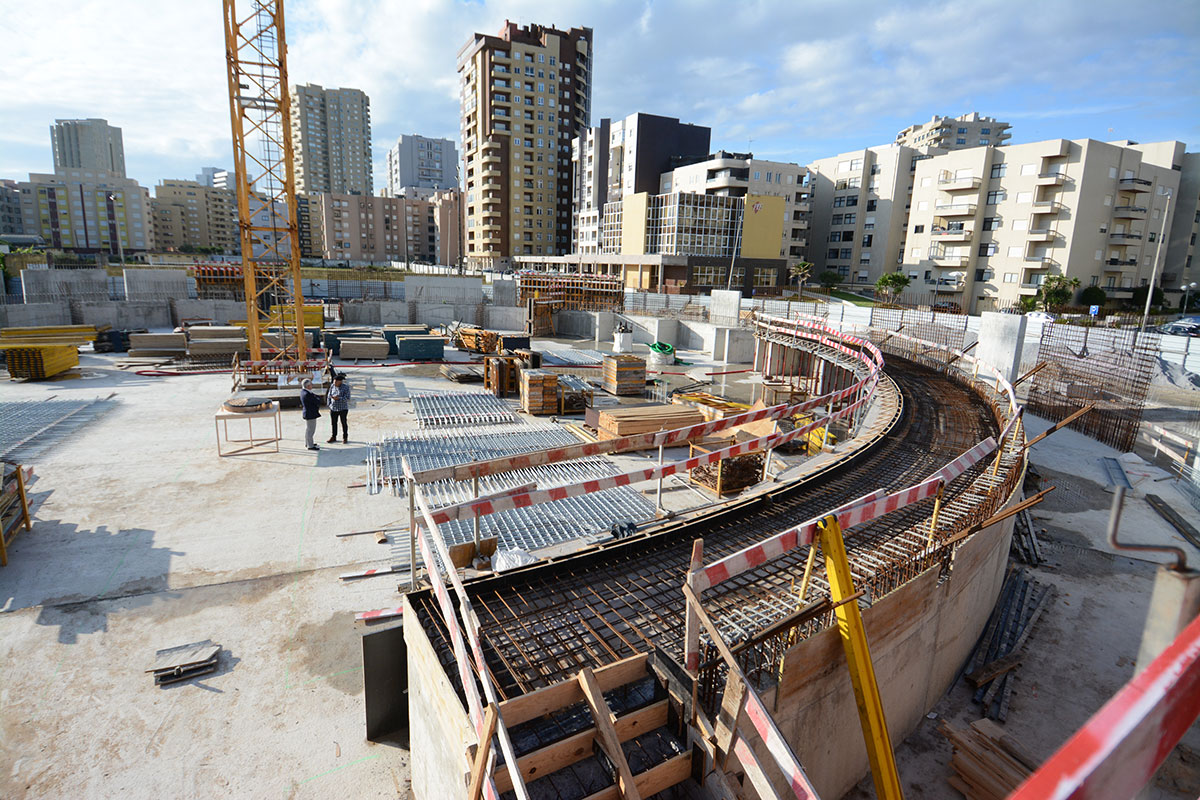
(571, 358)
(427, 449)
(28, 427)
(460, 409)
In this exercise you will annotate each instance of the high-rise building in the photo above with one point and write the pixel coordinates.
(990, 224)
(525, 94)
(310, 233)
(625, 157)
(421, 162)
(1179, 269)
(10, 208)
(87, 211)
(363, 228)
(208, 177)
(955, 133)
(860, 210)
(331, 140)
(189, 216)
(740, 175)
(87, 144)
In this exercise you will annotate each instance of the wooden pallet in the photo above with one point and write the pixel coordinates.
(623, 374)
(539, 391)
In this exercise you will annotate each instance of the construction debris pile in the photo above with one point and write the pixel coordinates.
(988, 764)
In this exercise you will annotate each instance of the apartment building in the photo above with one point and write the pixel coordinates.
(211, 176)
(685, 242)
(525, 94)
(331, 140)
(364, 228)
(1179, 268)
(956, 133)
(187, 215)
(10, 208)
(421, 162)
(859, 210)
(309, 231)
(625, 157)
(87, 212)
(87, 144)
(990, 224)
(725, 174)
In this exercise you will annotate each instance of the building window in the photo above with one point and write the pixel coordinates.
(987, 249)
(995, 197)
(832, 253)
(871, 205)
(918, 229)
(985, 131)
(962, 130)
(991, 223)
(1010, 277)
(960, 140)
(846, 252)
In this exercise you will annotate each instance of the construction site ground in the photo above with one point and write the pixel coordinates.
(145, 539)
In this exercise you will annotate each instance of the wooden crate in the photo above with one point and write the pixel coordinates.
(501, 375)
(539, 391)
(624, 374)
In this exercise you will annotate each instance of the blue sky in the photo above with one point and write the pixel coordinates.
(791, 81)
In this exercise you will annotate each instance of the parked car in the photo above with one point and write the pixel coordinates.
(1040, 316)
(1180, 328)
(948, 307)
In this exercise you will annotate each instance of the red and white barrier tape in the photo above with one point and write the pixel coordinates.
(1119, 749)
(964, 462)
(778, 747)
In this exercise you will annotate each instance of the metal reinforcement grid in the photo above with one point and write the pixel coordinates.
(460, 409)
(571, 358)
(30, 427)
(948, 330)
(1111, 368)
(542, 625)
(427, 449)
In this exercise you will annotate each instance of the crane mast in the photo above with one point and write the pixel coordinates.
(260, 117)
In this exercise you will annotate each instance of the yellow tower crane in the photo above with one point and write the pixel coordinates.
(260, 116)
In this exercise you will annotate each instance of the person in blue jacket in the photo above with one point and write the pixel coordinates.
(310, 410)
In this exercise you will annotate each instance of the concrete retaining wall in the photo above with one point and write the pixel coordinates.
(604, 321)
(444, 289)
(697, 336)
(504, 293)
(157, 284)
(506, 318)
(221, 312)
(122, 315)
(49, 285)
(726, 306)
(33, 314)
(365, 312)
(575, 323)
(738, 347)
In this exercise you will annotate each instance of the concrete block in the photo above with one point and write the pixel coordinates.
(443, 289)
(1001, 337)
(697, 336)
(49, 285)
(504, 293)
(718, 345)
(33, 314)
(667, 330)
(726, 306)
(157, 284)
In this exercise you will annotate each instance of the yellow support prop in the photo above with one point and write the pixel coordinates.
(858, 658)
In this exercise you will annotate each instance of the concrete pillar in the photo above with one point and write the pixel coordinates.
(1001, 337)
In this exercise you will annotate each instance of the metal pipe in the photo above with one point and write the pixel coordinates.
(1114, 522)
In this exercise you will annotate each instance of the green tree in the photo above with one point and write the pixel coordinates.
(891, 284)
(1139, 297)
(800, 272)
(1056, 291)
(829, 278)
(1028, 303)
(1092, 296)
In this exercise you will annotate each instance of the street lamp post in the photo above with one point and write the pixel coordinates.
(1187, 291)
(1154, 269)
(120, 241)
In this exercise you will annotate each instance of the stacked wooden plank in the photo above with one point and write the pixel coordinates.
(365, 348)
(476, 340)
(462, 373)
(51, 334)
(157, 344)
(624, 374)
(709, 405)
(40, 361)
(646, 419)
(988, 764)
(539, 391)
(216, 332)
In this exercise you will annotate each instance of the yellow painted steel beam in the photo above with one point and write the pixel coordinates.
(858, 658)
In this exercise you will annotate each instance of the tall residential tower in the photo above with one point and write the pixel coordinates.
(87, 144)
(525, 94)
(418, 161)
(331, 140)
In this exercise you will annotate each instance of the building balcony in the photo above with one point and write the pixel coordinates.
(726, 182)
(501, 100)
(491, 158)
(1041, 235)
(488, 226)
(804, 207)
(1034, 261)
(1125, 238)
(491, 172)
(952, 234)
(1120, 262)
(1129, 212)
(1055, 148)
(952, 184)
(951, 261)
(799, 224)
(946, 285)
(1051, 179)
(1047, 207)
(956, 209)
(1134, 185)
(1031, 288)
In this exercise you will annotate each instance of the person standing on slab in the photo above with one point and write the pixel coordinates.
(338, 401)
(310, 410)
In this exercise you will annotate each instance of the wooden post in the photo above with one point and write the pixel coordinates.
(475, 521)
(658, 497)
(937, 506)
(808, 568)
(479, 768)
(412, 535)
(691, 625)
(24, 499)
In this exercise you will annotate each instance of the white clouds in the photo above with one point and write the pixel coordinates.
(803, 79)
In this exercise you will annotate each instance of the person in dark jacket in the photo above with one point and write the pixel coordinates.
(338, 401)
(310, 410)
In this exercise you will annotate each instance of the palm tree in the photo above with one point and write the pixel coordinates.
(800, 272)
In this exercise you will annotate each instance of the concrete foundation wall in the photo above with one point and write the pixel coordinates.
(439, 728)
(504, 293)
(33, 314)
(920, 637)
(123, 314)
(221, 312)
(49, 285)
(1001, 337)
(739, 347)
(439, 314)
(697, 336)
(157, 284)
(576, 323)
(444, 289)
(726, 306)
(647, 330)
(505, 318)
(366, 312)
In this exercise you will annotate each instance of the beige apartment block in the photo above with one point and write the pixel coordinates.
(990, 224)
(385, 229)
(331, 140)
(87, 144)
(1179, 269)
(188, 214)
(741, 175)
(87, 211)
(860, 209)
(956, 133)
(525, 94)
